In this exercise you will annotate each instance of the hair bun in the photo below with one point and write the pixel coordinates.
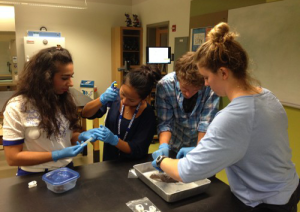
(143, 79)
(152, 71)
(220, 34)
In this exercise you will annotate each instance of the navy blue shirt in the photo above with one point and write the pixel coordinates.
(139, 137)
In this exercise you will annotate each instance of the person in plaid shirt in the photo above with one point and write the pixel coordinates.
(185, 107)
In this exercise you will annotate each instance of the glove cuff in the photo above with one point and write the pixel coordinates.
(103, 102)
(164, 145)
(115, 141)
(55, 155)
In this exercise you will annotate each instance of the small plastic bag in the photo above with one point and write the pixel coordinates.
(132, 173)
(142, 205)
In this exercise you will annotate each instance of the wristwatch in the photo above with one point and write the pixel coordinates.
(159, 159)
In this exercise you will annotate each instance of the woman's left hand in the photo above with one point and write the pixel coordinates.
(93, 133)
(107, 136)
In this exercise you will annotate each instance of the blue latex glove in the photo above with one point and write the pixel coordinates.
(107, 136)
(155, 166)
(93, 133)
(109, 95)
(163, 149)
(68, 152)
(183, 151)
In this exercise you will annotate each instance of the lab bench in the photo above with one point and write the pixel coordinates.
(106, 187)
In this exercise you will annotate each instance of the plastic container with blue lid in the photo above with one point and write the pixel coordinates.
(61, 180)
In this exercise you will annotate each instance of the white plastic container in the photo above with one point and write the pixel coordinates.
(61, 180)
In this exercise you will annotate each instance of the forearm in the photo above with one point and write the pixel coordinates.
(123, 146)
(200, 136)
(170, 166)
(26, 158)
(91, 108)
(165, 137)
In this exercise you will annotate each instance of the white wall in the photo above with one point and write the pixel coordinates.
(177, 12)
(87, 33)
(270, 34)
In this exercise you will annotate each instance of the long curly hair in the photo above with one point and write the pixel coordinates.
(36, 85)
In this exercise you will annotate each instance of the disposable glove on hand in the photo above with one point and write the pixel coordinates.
(163, 149)
(183, 151)
(68, 152)
(109, 95)
(107, 136)
(93, 133)
(155, 166)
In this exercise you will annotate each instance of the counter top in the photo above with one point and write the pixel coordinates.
(106, 187)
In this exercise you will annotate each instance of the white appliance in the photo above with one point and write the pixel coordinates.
(33, 45)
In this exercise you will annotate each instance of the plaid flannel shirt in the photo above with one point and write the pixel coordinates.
(172, 117)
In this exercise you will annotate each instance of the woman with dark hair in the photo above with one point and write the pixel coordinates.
(130, 123)
(248, 137)
(40, 119)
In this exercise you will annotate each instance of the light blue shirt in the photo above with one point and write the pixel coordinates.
(250, 138)
(172, 117)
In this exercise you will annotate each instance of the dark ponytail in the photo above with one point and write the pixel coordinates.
(143, 79)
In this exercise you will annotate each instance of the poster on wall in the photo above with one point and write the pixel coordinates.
(198, 37)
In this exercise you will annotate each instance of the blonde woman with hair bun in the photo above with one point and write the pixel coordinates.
(248, 138)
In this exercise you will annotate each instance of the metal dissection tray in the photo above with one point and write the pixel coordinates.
(170, 192)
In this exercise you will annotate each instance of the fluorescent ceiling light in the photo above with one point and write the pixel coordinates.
(43, 4)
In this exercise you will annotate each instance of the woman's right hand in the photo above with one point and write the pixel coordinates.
(109, 95)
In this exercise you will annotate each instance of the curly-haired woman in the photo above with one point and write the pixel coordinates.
(40, 119)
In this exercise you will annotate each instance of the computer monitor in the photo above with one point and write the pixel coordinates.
(158, 55)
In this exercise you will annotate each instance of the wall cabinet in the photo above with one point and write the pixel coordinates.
(126, 45)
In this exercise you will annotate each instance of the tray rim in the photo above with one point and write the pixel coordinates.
(166, 196)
